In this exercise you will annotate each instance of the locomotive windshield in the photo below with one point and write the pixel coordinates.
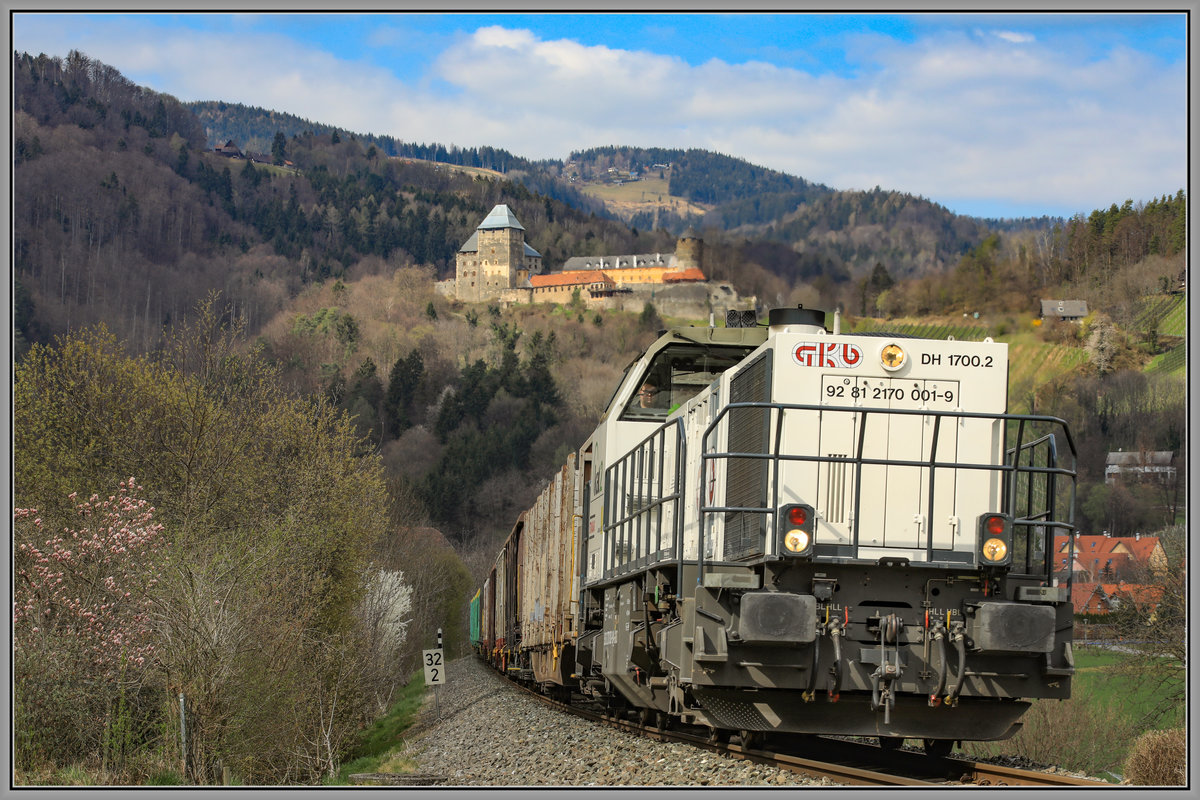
(678, 373)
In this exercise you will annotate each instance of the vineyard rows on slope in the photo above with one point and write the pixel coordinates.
(1166, 312)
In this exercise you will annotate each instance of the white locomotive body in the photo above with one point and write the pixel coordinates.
(782, 529)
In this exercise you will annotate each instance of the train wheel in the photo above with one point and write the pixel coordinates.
(645, 715)
(750, 739)
(891, 742)
(662, 720)
(614, 706)
(718, 736)
(939, 748)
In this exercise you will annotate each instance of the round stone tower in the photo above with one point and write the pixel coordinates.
(689, 250)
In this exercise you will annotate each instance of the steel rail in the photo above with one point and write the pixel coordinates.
(983, 774)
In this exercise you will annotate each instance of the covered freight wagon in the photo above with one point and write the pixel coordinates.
(475, 621)
(548, 605)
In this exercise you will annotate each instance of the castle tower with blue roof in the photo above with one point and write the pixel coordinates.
(494, 258)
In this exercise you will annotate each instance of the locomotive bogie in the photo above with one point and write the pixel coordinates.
(811, 533)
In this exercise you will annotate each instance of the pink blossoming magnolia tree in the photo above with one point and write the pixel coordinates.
(82, 637)
(92, 583)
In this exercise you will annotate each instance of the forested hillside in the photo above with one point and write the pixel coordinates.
(124, 218)
(256, 130)
(839, 231)
(701, 176)
(847, 231)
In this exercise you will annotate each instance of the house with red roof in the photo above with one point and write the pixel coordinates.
(1109, 559)
(1105, 598)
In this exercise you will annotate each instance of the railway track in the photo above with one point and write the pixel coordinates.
(844, 762)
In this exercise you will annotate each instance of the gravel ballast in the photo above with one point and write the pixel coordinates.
(490, 734)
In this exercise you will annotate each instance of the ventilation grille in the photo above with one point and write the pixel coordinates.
(749, 432)
(834, 507)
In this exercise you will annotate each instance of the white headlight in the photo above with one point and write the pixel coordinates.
(995, 549)
(796, 540)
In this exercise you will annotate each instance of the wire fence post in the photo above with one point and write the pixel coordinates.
(183, 759)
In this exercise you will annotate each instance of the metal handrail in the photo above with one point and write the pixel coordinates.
(1013, 468)
(616, 477)
(633, 466)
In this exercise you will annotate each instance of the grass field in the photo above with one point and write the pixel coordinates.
(1029, 361)
(1174, 361)
(1174, 323)
(640, 195)
(1168, 312)
(1091, 732)
(1098, 672)
(969, 333)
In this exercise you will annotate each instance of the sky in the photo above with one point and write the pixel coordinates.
(989, 114)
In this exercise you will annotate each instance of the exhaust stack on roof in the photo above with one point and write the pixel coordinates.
(797, 320)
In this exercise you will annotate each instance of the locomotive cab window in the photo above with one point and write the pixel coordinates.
(677, 374)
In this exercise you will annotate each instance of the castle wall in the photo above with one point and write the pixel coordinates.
(688, 300)
(689, 253)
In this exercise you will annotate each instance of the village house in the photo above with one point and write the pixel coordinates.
(1140, 465)
(229, 149)
(1068, 310)
(1110, 558)
(1106, 598)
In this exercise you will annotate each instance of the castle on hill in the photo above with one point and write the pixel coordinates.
(496, 263)
(495, 258)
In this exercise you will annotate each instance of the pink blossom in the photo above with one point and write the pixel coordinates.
(107, 610)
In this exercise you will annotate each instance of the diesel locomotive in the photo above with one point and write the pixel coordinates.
(782, 527)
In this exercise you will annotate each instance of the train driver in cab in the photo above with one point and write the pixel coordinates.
(651, 397)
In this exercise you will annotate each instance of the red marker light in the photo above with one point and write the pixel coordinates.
(797, 515)
(995, 525)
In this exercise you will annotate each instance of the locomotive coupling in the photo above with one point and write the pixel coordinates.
(938, 637)
(836, 632)
(958, 638)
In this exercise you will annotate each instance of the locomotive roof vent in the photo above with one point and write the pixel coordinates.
(796, 320)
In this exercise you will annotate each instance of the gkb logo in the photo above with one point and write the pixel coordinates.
(827, 354)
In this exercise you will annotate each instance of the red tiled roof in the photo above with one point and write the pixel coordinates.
(1140, 594)
(574, 278)
(1140, 549)
(1081, 595)
(689, 274)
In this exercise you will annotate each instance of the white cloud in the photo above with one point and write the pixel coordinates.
(959, 118)
(1014, 37)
